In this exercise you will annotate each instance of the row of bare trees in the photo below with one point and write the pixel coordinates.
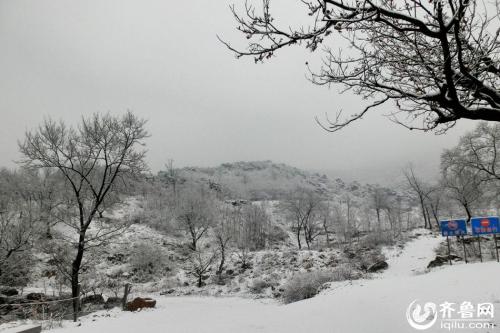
(469, 178)
(212, 227)
(313, 214)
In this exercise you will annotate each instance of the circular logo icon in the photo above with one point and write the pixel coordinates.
(421, 318)
(452, 225)
(485, 223)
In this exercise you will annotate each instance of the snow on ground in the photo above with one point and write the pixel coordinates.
(415, 257)
(363, 306)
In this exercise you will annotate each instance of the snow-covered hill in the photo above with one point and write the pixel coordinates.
(364, 306)
(265, 180)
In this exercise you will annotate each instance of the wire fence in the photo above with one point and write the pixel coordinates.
(49, 312)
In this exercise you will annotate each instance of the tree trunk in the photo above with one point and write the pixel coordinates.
(306, 236)
(222, 258)
(75, 273)
(326, 233)
(422, 206)
(428, 217)
(467, 210)
(298, 237)
(193, 238)
(378, 219)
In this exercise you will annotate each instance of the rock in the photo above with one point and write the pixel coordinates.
(229, 271)
(441, 260)
(140, 303)
(378, 266)
(35, 296)
(167, 292)
(9, 292)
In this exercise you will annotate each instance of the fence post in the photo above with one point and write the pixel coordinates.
(480, 253)
(126, 292)
(465, 251)
(496, 246)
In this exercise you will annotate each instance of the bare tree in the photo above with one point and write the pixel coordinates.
(463, 184)
(301, 206)
(172, 176)
(196, 214)
(327, 219)
(91, 158)
(200, 263)
(434, 202)
(421, 190)
(380, 202)
(224, 234)
(16, 234)
(479, 150)
(254, 227)
(341, 226)
(350, 228)
(437, 60)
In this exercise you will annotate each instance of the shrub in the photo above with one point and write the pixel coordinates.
(369, 258)
(376, 239)
(305, 285)
(16, 270)
(259, 285)
(343, 272)
(148, 260)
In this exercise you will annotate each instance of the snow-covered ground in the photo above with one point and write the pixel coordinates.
(414, 258)
(363, 306)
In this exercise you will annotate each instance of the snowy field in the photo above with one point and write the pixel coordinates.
(377, 305)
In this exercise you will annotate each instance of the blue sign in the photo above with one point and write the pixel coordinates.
(485, 225)
(454, 228)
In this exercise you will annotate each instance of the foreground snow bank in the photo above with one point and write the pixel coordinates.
(363, 306)
(377, 305)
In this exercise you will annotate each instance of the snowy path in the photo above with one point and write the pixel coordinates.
(415, 256)
(365, 306)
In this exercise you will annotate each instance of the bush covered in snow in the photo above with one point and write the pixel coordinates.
(259, 285)
(305, 285)
(148, 260)
(379, 238)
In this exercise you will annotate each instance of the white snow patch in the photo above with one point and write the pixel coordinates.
(415, 256)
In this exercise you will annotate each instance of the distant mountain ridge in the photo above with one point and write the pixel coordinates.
(266, 180)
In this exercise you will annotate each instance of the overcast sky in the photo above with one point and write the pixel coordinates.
(162, 60)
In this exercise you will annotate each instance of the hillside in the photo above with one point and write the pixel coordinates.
(393, 291)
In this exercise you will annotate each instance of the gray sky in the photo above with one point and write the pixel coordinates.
(162, 60)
